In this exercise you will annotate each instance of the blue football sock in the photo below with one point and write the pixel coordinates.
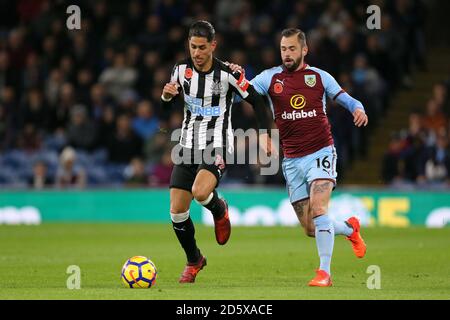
(324, 241)
(341, 227)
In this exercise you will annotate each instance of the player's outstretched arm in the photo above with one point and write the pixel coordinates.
(335, 92)
(249, 94)
(355, 107)
(257, 101)
(260, 107)
(235, 67)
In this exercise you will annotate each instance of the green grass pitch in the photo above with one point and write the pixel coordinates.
(257, 263)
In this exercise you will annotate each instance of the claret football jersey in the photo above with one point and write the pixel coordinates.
(298, 102)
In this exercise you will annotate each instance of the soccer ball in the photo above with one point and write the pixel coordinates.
(139, 272)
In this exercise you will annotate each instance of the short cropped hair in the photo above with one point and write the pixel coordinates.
(294, 31)
(203, 29)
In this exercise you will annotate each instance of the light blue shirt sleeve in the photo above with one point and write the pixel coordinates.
(332, 88)
(348, 102)
(261, 82)
(335, 92)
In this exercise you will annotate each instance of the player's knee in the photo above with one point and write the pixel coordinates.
(199, 193)
(177, 207)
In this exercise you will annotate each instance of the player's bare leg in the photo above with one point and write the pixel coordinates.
(205, 183)
(320, 193)
(180, 201)
(303, 213)
(204, 192)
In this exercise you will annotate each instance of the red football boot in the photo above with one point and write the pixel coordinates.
(322, 279)
(191, 270)
(358, 244)
(222, 226)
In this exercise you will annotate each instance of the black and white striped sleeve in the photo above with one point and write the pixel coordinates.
(167, 104)
(240, 83)
(174, 75)
(243, 87)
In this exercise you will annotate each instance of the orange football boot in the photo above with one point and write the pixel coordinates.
(222, 226)
(358, 244)
(191, 270)
(322, 279)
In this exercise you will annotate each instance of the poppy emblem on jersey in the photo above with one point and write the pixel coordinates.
(188, 73)
(278, 88)
(310, 80)
(297, 101)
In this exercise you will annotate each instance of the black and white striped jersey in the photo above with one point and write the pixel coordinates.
(208, 99)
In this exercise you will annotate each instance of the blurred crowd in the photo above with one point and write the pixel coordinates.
(82, 107)
(419, 156)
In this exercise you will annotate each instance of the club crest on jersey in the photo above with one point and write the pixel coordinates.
(310, 80)
(216, 87)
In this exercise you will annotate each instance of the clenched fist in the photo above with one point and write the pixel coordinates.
(170, 90)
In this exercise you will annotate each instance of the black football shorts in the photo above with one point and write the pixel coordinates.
(183, 174)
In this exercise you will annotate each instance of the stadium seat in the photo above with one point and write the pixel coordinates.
(15, 159)
(96, 175)
(115, 172)
(99, 156)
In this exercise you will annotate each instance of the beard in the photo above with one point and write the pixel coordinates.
(292, 65)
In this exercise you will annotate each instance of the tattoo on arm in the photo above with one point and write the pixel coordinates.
(321, 187)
